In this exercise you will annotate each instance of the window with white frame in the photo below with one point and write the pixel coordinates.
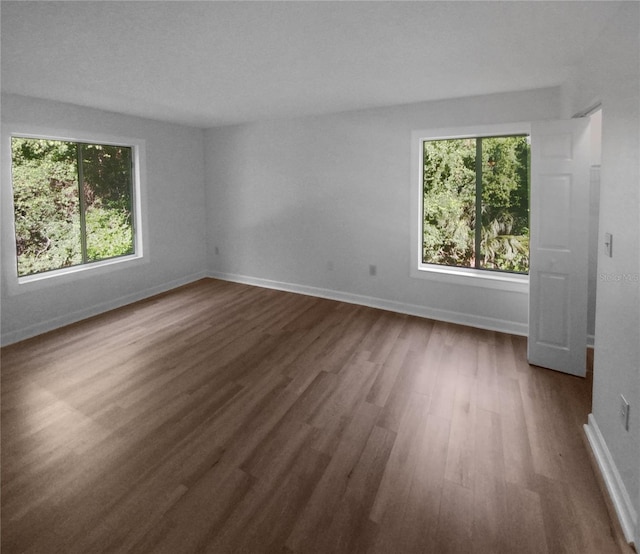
(472, 202)
(75, 203)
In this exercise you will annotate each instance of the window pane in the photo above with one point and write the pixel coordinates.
(505, 204)
(46, 204)
(107, 186)
(449, 188)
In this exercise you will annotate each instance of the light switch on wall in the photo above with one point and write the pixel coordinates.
(608, 244)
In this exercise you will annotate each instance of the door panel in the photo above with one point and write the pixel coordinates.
(553, 323)
(559, 238)
(555, 197)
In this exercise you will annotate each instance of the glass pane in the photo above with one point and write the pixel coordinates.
(46, 204)
(449, 185)
(107, 186)
(505, 204)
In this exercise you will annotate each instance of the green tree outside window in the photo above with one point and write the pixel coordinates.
(73, 203)
(476, 203)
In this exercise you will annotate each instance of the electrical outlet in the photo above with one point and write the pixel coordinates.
(624, 412)
(373, 270)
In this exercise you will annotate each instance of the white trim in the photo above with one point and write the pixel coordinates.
(73, 317)
(481, 322)
(473, 131)
(617, 491)
(510, 282)
(39, 281)
(17, 285)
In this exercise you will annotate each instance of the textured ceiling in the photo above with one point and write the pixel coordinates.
(217, 63)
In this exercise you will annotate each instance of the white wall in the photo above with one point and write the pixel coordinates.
(594, 211)
(610, 73)
(287, 199)
(176, 219)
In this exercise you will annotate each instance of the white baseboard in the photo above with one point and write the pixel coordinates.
(488, 323)
(617, 491)
(73, 317)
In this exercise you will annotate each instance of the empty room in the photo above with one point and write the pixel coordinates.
(332, 277)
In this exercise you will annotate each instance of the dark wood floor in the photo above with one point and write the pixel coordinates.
(226, 418)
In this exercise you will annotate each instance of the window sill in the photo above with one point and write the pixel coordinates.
(30, 283)
(511, 282)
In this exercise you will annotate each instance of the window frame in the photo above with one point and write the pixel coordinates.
(27, 283)
(449, 274)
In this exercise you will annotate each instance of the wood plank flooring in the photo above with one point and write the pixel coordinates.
(226, 418)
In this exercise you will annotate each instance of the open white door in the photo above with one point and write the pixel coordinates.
(558, 245)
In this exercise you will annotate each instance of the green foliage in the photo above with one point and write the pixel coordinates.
(107, 175)
(449, 196)
(109, 233)
(47, 207)
(47, 218)
(449, 202)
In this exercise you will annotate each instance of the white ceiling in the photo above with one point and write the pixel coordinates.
(213, 63)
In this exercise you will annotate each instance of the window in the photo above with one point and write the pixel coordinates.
(466, 175)
(74, 203)
(475, 203)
